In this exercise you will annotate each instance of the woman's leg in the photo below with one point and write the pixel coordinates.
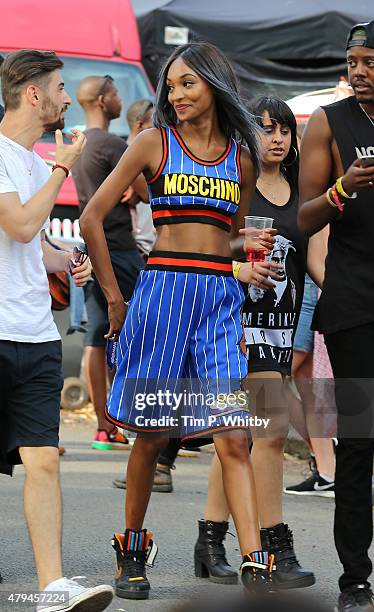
(216, 508)
(210, 554)
(325, 457)
(267, 456)
(140, 474)
(302, 369)
(267, 451)
(322, 448)
(239, 486)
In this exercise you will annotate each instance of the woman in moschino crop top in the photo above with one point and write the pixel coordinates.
(186, 189)
(183, 320)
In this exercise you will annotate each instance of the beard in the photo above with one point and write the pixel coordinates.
(364, 97)
(52, 116)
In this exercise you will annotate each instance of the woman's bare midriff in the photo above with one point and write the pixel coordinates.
(193, 238)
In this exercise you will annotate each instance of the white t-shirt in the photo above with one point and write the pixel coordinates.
(25, 302)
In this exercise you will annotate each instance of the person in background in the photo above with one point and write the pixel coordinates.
(139, 118)
(101, 103)
(336, 189)
(269, 317)
(308, 351)
(30, 346)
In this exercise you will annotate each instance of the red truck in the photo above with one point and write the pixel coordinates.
(92, 37)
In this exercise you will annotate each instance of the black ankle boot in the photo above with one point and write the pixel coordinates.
(289, 574)
(210, 554)
(132, 548)
(256, 572)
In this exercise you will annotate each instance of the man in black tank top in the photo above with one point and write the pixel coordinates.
(336, 138)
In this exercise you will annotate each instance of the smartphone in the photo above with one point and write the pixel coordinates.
(366, 161)
(111, 354)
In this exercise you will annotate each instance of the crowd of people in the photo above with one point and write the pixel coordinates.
(173, 293)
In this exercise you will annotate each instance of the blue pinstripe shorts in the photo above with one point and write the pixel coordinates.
(179, 349)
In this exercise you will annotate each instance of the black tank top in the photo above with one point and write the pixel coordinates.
(347, 299)
(270, 317)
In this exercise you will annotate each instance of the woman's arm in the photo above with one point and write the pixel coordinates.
(256, 274)
(143, 155)
(317, 251)
(247, 189)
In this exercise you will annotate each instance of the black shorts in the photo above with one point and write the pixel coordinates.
(30, 389)
(126, 266)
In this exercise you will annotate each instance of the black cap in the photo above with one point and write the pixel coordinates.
(361, 35)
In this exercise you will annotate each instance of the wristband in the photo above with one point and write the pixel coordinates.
(62, 168)
(335, 197)
(340, 189)
(328, 198)
(236, 269)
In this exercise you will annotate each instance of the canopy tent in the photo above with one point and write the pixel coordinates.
(287, 44)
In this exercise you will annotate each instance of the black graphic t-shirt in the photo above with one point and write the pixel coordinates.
(270, 316)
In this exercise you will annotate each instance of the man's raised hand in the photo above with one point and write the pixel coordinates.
(67, 155)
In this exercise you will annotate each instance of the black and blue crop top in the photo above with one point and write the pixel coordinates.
(186, 189)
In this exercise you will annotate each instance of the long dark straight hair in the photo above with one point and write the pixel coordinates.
(212, 66)
(280, 112)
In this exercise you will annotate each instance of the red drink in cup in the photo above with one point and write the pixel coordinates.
(254, 227)
(255, 255)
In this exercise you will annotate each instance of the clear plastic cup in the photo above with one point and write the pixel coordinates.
(254, 227)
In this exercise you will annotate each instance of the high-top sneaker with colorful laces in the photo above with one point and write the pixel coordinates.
(134, 550)
(289, 575)
(257, 570)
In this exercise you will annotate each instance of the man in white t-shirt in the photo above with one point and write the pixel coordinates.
(30, 347)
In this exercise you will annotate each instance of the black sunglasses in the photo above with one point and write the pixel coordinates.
(107, 80)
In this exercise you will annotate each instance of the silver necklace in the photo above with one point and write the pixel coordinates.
(368, 116)
(29, 170)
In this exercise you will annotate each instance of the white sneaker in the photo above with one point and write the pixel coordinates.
(189, 452)
(74, 596)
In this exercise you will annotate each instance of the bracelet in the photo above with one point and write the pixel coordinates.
(337, 200)
(340, 188)
(328, 198)
(236, 269)
(62, 168)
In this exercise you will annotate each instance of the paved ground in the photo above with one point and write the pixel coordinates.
(93, 510)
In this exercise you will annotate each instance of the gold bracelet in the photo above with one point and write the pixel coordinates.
(340, 188)
(236, 269)
(328, 198)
